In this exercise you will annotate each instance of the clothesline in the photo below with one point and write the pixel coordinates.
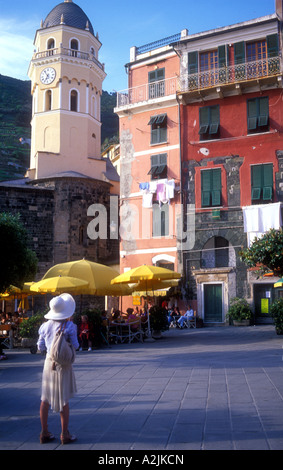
(164, 190)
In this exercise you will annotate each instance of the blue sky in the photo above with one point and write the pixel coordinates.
(120, 25)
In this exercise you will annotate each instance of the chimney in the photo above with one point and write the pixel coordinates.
(279, 8)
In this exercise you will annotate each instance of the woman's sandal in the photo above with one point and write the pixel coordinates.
(46, 437)
(67, 438)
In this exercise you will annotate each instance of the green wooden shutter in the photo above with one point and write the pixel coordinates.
(192, 62)
(152, 76)
(267, 177)
(272, 45)
(214, 120)
(222, 62)
(239, 52)
(216, 187)
(222, 56)
(263, 111)
(206, 186)
(256, 176)
(160, 74)
(252, 114)
(204, 120)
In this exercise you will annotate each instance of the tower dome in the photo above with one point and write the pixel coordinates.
(70, 14)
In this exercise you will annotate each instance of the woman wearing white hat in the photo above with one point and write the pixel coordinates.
(58, 385)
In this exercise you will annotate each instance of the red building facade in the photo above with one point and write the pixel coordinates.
(205, 111)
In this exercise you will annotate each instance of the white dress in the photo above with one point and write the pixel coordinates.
(59, 384)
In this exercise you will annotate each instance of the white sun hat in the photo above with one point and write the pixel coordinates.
(61, 307)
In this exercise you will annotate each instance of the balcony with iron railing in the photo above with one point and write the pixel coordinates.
(63, 51)
(245, 75)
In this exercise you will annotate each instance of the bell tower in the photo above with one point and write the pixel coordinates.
(66, 86)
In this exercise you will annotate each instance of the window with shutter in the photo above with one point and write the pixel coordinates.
(258, 115)
(272, 45)
(158, 168)
(239, 59)
(262, 183)
(211, 187)
(160, 220)
(156, 82)
(158, 125)
(209, 121)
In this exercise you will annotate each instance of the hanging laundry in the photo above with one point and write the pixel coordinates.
(143, 186)
(161, 193)
(147, 199)
(259, 219)
(170, 188)
(152, 186)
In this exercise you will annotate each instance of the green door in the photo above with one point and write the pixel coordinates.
(213, 303)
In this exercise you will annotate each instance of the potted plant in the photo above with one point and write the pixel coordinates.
(276, 312)
(239, 312)
(158, 320)
(29, 331)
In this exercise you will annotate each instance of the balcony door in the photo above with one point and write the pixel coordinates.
(209, 68)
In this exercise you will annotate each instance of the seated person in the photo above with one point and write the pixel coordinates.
(188, 314)
(116, 316)
(85, 333)
(133, 319)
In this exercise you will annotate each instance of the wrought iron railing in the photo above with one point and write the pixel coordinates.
(68, 52)
(229, 75)
(245, 72)
(146, 92)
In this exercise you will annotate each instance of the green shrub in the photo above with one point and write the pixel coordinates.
(276, 312)
(239, 310)
(30, 326)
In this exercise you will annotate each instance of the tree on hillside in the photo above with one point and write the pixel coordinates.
(18, 262)
(266, 253)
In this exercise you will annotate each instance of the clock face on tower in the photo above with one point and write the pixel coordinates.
(47, 75)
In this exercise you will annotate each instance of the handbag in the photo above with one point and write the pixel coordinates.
(62, 352)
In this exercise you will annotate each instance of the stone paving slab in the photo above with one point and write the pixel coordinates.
(216, 388)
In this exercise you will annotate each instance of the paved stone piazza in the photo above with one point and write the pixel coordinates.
(214, 388)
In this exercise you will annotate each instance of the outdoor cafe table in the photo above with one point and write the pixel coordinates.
(122, 331)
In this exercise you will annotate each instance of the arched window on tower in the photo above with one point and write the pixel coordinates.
(74, 100)
(74, 47)
(48, 100)
(50, 46)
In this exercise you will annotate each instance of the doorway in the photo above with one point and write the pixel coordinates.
(264, 295)
(213, 304)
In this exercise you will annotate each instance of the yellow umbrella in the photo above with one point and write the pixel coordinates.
(98, 277)
(146, 273)
(11, 291)
(279, 283)
(58, 285)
